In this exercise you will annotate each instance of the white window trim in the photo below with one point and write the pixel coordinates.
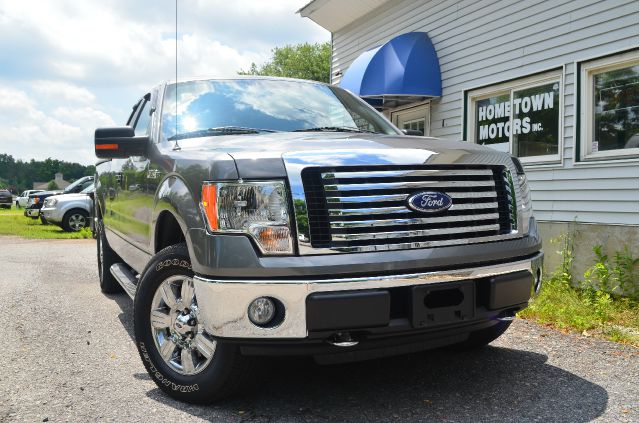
(526, 82)
(393, 113)
(586, 127)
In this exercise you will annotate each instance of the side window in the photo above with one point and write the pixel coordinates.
(144, 118)
(610, 107)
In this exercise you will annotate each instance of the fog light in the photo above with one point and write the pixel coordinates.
(261, 311)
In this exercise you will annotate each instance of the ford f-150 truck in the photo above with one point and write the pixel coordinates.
(262, 216)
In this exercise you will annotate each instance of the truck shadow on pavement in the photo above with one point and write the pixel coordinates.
(492, 384)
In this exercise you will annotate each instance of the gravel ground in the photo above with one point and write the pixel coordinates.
(68, 355)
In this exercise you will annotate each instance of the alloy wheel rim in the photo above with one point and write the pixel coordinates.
(178, 334)
(77, 222)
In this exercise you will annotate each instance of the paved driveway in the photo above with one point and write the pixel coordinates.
(67, 355)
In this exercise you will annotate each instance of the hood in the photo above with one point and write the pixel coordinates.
(44, 194)
(260, 156)
(71, 196)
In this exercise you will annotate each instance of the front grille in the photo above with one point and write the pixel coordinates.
(365, 208)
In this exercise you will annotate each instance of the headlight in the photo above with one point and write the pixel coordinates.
(50, 202)
(259, 209)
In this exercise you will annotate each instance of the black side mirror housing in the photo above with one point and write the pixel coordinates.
(413, 132)
(119, 143)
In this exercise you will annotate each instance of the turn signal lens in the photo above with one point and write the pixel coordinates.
(209, 205)
(274, 239)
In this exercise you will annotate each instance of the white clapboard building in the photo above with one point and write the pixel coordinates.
(555, 83)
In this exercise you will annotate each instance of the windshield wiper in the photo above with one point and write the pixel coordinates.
(220, 130)
(334, 129)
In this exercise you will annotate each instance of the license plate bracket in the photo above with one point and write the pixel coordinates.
(443, 303)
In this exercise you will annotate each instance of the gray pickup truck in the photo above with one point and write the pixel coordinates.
(261, 216)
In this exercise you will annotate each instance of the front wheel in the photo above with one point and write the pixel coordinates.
(183, 359)
(75, 220)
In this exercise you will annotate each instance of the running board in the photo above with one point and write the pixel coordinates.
(125, 278)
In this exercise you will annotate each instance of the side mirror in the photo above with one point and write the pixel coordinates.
(119, 143)
(413, 132)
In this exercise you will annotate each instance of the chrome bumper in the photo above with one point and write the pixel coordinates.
(223, 304)
(32, 212)
(51, 214)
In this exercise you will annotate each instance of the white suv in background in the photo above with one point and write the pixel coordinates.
(21, 201)
(69, 211)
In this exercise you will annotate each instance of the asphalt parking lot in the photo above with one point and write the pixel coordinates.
(68, 355)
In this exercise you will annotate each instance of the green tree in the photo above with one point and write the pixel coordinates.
(19, 175)
(303, 61)
(52, 186)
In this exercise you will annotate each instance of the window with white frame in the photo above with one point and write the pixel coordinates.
(610, 107)
(521, 117)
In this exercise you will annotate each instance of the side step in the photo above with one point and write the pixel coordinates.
(125, 278)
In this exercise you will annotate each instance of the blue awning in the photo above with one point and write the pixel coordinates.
(405, 67)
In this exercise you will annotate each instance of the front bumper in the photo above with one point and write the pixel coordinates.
(32, 212)
(52, 214)
(223, 304)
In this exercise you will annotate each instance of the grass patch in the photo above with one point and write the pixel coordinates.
(13, 222)
(586, 311)
(592, 307)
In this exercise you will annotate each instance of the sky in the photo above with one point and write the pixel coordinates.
(69, 66)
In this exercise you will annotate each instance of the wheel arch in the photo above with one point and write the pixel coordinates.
(176, 211)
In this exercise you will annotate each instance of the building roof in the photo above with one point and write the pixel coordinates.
(334, 15)
(59, 181)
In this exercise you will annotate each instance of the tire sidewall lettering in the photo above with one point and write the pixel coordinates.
(173, 262)
(160, 377)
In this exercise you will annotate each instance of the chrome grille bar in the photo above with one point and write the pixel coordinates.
(408, 173)
(422, 244)
(403, 209)
(414, 233)
(407, 184)
(411, 221)
(402, 197)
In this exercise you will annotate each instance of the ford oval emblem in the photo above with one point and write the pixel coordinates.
(429, 202)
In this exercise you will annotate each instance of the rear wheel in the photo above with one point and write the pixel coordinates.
(183, 359)
(75, 220)
(106, 258)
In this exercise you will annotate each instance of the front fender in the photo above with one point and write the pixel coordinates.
(175, 197)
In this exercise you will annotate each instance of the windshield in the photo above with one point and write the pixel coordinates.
(79, 185)
(87, 189)
(249, 106)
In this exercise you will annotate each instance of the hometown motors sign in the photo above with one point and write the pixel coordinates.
(522, 122)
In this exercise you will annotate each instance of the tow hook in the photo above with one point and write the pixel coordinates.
(506, 316)
(342, 339)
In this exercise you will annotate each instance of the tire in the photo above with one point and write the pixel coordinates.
(17, 205)
(212, 370)
(106, 258)
(43, 220)
(75, 220)
(483, 337)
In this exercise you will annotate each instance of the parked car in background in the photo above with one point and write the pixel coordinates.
(69, 211)
(6, 199)
(23, 199)
(34, 205)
